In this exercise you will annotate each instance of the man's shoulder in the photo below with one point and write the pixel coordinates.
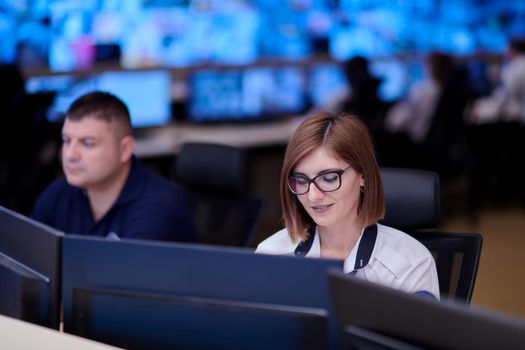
(150, 192)
(58, 187)
(156, 187)
(54, 201)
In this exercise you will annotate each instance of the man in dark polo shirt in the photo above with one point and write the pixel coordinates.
(106, 191)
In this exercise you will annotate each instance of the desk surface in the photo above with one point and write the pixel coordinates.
(168, 140)
(20, 335)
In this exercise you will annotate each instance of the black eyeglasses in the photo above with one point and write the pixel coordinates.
(327, 181)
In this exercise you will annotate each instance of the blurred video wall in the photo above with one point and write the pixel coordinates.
(69, 35)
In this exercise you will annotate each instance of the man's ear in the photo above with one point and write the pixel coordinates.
(127, 146)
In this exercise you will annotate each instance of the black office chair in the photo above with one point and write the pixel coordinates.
(412, 200)
(215, 178)
(457, 258)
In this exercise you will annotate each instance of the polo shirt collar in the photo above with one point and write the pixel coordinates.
(134, 183)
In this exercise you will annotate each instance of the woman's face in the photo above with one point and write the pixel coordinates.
(329, 209)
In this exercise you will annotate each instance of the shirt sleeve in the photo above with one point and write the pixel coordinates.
(423, 278)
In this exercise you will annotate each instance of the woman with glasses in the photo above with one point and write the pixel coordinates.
(332, 200)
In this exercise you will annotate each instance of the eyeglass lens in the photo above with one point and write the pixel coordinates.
(326, 182)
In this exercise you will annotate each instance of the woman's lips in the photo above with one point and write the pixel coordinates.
(320, 209)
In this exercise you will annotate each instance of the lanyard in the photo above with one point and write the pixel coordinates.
(364, 251)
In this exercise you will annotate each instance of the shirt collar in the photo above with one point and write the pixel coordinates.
(134, 183)
(363, 247)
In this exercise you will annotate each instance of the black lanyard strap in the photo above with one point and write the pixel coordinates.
(364, 251)
(366, 246)
(304, 246)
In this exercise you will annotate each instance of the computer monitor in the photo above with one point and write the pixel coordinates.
(357, 338)
(395, 78)
(327, 85)
(147, 93)
(182, 322)
(30, 255)
(105, 281)
(421, 321)
(250, 94)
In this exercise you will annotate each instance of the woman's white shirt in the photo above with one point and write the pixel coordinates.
(397, 260)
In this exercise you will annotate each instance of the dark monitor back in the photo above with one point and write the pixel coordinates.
(421, 321)
(30, 277)
(171, 322)
(183, 270)
(24, 293)
(357, 338)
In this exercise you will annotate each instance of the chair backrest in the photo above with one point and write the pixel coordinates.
(412, 200)
(213, 167)
(457, 258)
(215, 178)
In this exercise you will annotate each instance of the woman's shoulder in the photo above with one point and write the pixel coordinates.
(279, 243)
(402, 243)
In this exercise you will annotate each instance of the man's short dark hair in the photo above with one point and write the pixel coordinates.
(101, 105)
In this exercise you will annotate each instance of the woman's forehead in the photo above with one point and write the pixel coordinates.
(319, 159)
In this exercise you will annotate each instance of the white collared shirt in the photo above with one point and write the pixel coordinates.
(398, 260)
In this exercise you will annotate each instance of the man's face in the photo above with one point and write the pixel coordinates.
(93, 154)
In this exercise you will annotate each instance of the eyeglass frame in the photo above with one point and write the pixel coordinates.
(339, 173)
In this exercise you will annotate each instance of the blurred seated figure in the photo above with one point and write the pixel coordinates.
(426, 130)
(363, 99)
(507, 101)
(413, 115)
(499, 117)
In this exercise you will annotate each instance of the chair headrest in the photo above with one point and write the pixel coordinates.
(212, 166)
(412, 198)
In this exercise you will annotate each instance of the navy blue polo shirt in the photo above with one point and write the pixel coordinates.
(149, 207)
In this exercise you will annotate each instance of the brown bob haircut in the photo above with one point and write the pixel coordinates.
(101, 105)
(348, 139)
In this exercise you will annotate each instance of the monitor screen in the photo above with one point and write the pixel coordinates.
(66, 35)
(30, 276)
(421, 321)
(146, 93)
(185, 270)
(396, 76)
(327, 85)
(185, 322)
(249, 94)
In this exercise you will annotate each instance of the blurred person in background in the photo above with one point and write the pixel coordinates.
(507, 101)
